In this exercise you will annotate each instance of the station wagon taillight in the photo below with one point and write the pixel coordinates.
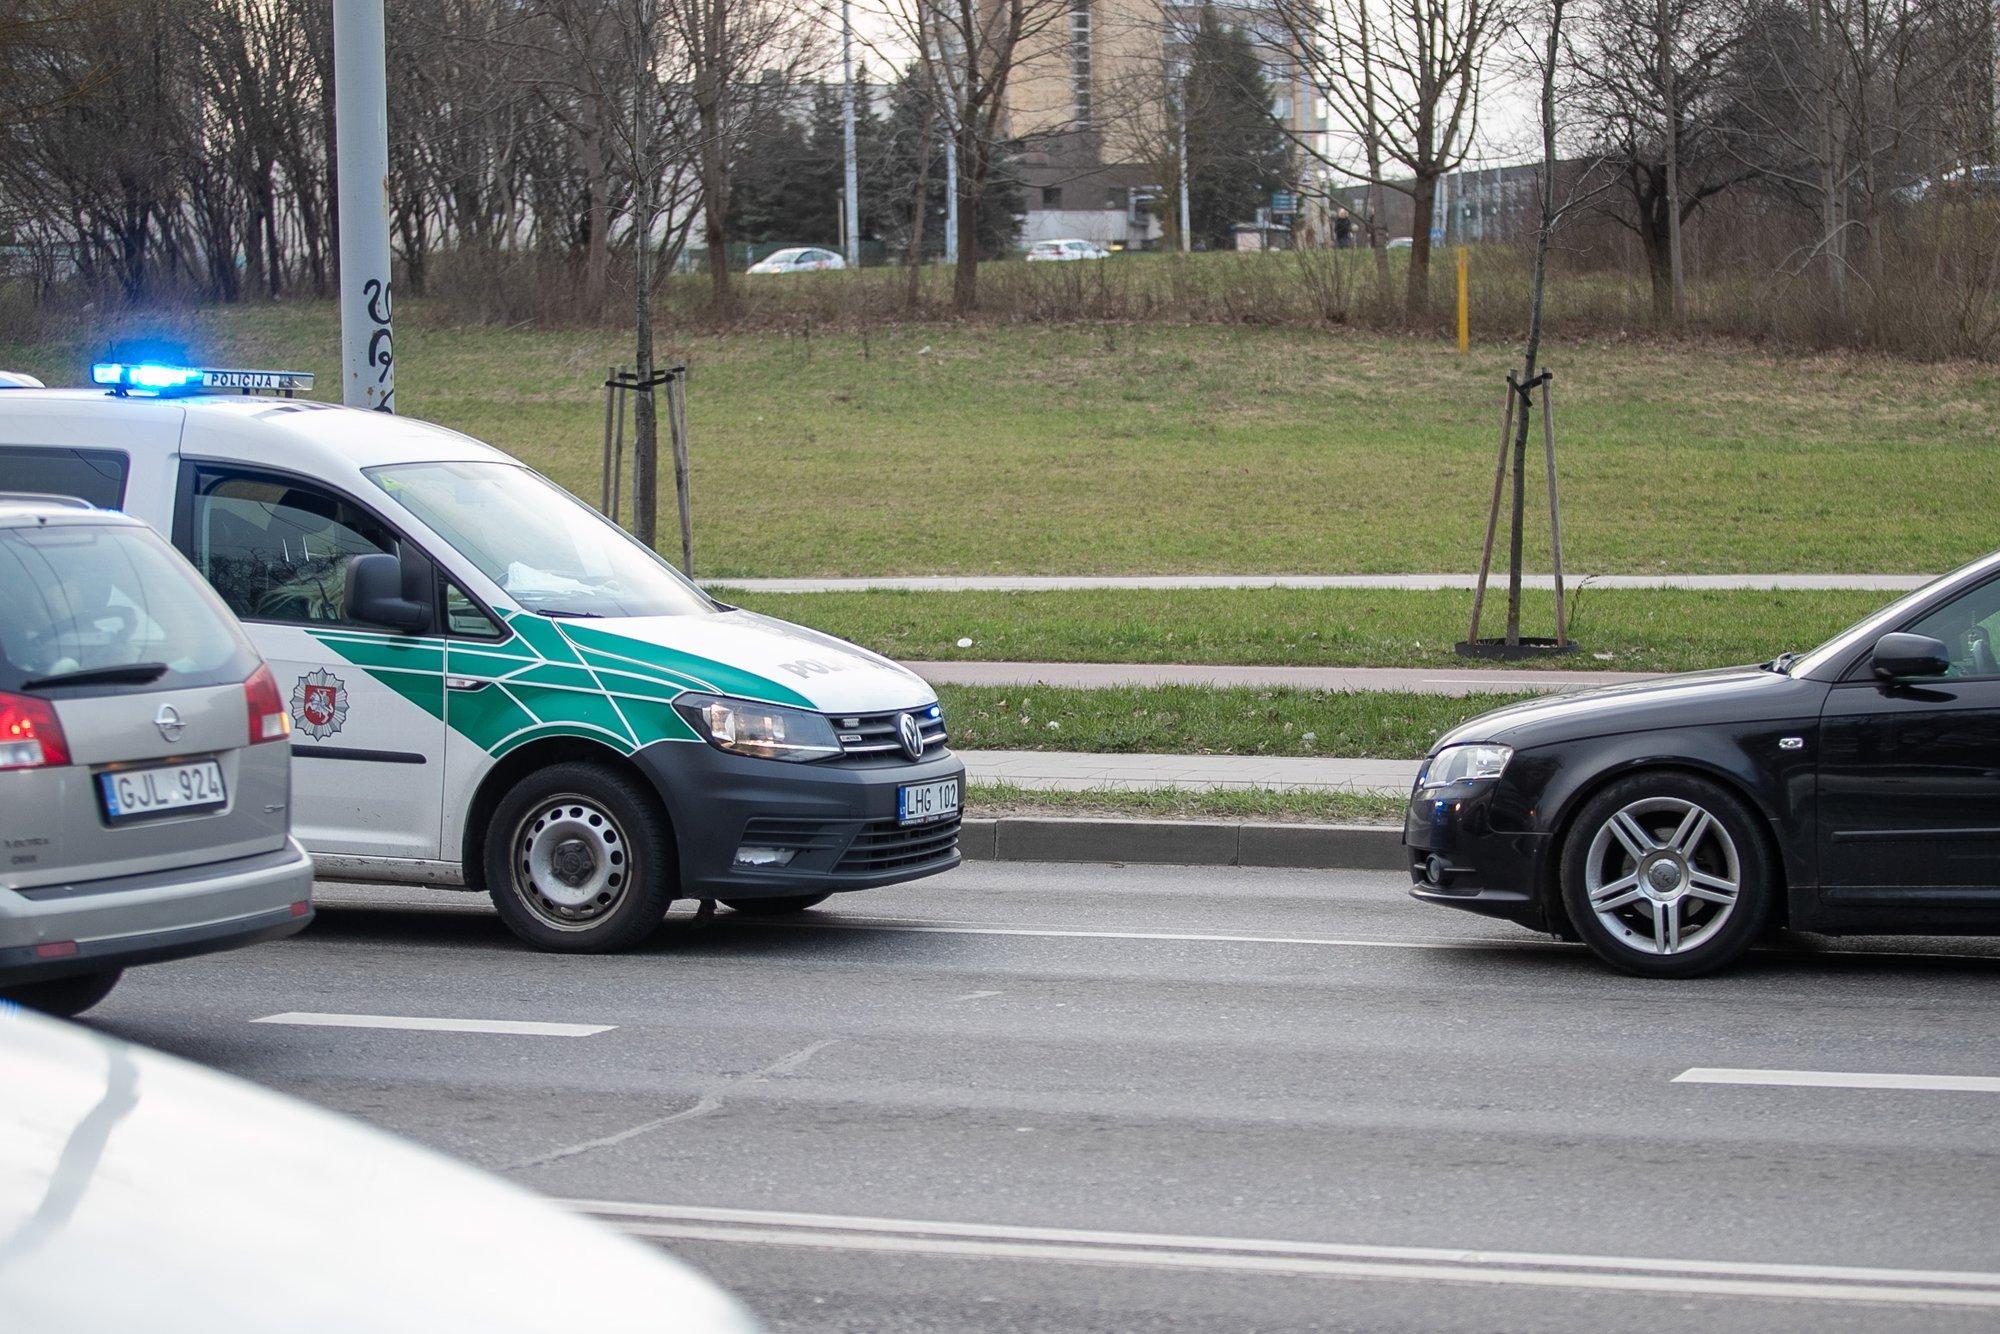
(268, 719)
(30, 735)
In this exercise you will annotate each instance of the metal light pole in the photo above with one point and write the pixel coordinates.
(361, 133)
(852, 207)
(1180, 71)
(951, 188)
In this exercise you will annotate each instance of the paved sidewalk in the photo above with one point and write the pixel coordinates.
(1418, 680)
(1072, 771)
(1024, 583)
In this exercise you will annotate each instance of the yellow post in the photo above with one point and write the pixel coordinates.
(1464, 318)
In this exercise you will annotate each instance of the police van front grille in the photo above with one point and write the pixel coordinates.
(884, 845)
(879, 733)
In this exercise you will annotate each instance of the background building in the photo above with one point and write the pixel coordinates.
(1089, 108)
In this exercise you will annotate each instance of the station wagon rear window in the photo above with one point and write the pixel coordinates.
(81, 598)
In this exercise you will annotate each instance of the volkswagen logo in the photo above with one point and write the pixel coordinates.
(168, 720)
(911, 735)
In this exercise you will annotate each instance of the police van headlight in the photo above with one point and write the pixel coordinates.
(1458, 764)
(766, 731)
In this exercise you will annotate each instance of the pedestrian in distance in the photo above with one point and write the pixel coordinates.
(1343, 230)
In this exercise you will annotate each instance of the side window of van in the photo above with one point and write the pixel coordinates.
(278, 550)
(462, 615)
(93, 475)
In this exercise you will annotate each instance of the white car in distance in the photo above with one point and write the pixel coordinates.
(1059, 252)
(798, 259)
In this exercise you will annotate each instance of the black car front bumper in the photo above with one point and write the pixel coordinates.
(1461, 855)
(838, 820)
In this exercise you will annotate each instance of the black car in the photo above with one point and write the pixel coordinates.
(1671, 823)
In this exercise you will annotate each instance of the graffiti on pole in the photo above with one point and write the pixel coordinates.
(381, 356)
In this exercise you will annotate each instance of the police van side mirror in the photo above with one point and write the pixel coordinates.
(375, 594)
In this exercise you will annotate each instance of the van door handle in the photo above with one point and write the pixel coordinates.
(466, 683)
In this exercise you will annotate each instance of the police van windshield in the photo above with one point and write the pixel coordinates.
(552, 553)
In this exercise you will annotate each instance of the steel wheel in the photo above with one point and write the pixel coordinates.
(1663, 875)
(572, 861)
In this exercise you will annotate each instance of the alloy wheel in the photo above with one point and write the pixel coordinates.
(1663, 875)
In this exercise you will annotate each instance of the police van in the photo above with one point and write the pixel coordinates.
(491, 684)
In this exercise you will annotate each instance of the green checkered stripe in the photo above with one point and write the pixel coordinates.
(551, 679)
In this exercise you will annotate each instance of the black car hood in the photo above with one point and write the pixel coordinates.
(1725, 695)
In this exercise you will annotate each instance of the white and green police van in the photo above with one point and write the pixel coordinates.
(494, 686)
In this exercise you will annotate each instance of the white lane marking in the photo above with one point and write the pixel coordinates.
(1838, 1079)
(975, 995)
(847, 922)
(524, 1027)
(1330, 1259)
(1067, 933)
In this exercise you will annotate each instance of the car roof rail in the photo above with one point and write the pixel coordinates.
(45, 498)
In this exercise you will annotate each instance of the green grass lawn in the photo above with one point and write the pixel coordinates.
(1204, 720)
(986, 800)
(1639, 629)
(995, 448)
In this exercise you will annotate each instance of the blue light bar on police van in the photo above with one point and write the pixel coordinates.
(151, 379)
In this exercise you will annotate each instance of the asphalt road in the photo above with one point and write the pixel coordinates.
(1096, 1098)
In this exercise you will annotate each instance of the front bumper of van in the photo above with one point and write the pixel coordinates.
(835, 825)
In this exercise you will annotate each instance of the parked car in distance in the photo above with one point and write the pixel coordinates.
(1057, 252)
(798, 259)
(138, 1191)
(1849, 790)
(1979, 180)
(1398, 243)
(145, 779)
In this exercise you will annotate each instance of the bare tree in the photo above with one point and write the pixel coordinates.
(1646, 78)
(969, 52)
(736, 52)
(1404, 82)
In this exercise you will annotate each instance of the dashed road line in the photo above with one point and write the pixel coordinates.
(521, 1027)
(1838, 1079)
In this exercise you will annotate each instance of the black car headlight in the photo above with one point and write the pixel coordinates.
(1460, 764)
(766, 731)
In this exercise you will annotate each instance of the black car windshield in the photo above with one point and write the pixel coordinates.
(1869, 628)
(551, 553)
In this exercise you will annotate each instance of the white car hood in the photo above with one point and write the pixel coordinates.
(760, 657)
(140, 1192)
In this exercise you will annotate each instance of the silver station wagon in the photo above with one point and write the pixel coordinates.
(145, 783)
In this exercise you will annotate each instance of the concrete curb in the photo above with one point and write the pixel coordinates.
(1328, 847)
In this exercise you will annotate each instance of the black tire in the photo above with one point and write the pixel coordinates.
(64, 996)
(785, 907)
(1665, 902)
(597, 824)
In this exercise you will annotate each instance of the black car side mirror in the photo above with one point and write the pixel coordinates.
(375, 586)
(1899, 655)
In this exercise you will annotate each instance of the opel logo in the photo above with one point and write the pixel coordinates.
(168, 720)
(911, 734)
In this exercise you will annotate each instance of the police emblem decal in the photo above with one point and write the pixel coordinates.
(319, 704)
